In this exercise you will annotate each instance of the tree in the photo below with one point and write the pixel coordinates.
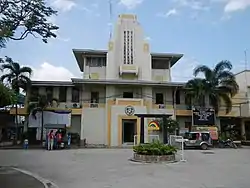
(35, 107)
(219, 85)
(18, 77)
(168, 127)
(21, 18)
(7, 96)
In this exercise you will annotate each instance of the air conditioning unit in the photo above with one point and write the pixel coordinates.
(161, 106)
(93, 105)
(76, 105)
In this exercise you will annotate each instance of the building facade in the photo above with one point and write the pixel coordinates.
(124, 80)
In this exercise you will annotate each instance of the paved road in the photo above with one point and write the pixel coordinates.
(104, 168)
(11, 178)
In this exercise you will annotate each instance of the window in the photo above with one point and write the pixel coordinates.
(188, 125)
(128, 95)
(177, 97)
(94, 97)
(62, 94)
(75, 95)
(159, 99)
(34, 94)
(159, 64)
(49, 93)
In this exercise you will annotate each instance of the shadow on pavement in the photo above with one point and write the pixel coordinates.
(11, 178)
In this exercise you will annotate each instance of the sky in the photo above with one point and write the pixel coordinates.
(205, 31)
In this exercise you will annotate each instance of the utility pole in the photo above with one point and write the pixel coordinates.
(245, 53)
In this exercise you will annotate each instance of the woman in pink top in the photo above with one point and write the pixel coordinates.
(50, 140)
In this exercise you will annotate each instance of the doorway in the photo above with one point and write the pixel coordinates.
(129, 129)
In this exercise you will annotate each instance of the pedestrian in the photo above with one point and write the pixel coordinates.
(50, 140)
(69, 139)
(26, 143)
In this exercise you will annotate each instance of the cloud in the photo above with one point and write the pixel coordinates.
(194, 4)
(131, 4)
(236, 5)
(147, 38)
(183, 70)
(49, 72)
(63, 5)
(171, 12)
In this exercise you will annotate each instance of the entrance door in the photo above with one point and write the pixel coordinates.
(129, 129)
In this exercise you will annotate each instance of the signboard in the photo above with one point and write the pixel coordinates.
(129, 110)
(213, 131)
(153, 126)
(203, 116)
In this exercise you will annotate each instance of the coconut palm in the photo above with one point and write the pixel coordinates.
(219, 85)
(18, 77)
(7, 96)
(39, 106)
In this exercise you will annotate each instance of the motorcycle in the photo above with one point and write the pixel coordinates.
(227, 144)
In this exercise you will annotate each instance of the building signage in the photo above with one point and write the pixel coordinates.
(212, 130)
(129, 110)
(203, 116)
(153, 126)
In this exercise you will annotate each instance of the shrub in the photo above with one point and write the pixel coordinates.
(154, 148)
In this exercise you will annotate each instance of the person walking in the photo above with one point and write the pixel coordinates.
(50, 140)
(69, 139)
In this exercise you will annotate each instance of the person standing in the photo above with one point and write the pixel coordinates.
(69, 139)
(50, 140)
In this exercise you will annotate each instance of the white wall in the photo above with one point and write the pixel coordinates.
(100, 71)
(93, 126)
(243, 80)
(75, 124)
(163, 73)
(141, 58)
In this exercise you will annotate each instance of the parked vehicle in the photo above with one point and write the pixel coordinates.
(227, 144)
(198, 139)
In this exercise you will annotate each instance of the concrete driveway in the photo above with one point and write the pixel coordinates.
(103, 168)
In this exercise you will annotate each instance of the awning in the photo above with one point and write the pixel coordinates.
(55, 126)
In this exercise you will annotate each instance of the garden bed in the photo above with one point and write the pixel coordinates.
(153, 158)
(155, 152)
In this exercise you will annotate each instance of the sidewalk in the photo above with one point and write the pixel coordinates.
(10, 178)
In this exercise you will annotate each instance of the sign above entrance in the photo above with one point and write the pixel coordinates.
(129, 110)
(153, 126)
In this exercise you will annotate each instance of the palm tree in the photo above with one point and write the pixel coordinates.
(7, 96)
(39, 106)
(219, 85)
(18, 77)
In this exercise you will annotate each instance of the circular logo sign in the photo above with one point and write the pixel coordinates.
(129, 110)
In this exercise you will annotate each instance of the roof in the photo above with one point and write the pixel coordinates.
(76, 81)
(127, 82)
(241, 72)
(90, 52)
(52, 83)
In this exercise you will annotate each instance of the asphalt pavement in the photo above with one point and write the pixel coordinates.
(11, 178)
(111, 168)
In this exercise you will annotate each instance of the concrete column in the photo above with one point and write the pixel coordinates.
(243, 129)
(42, 91)
(56, 92)
(69, 96)
(142, 131)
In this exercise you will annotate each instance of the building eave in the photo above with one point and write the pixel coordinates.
(174, 58)
(52, 83)
(80, 53)
(127, 82)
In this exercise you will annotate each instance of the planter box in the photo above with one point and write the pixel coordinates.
(154, 158)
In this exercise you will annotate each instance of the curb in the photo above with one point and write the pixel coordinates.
(46, 183)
